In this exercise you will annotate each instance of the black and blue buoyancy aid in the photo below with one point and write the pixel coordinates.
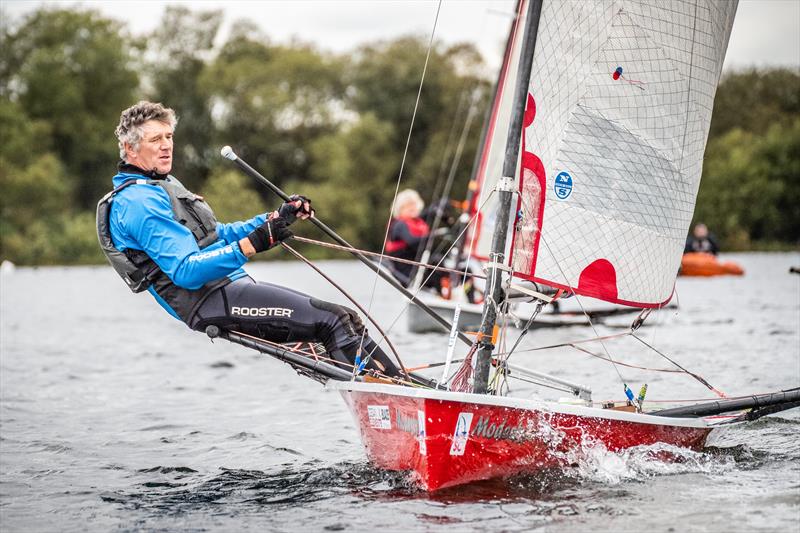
(138, 270)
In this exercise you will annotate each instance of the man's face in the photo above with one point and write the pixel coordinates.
(155, 148)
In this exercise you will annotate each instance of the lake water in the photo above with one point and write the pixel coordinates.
(114, 416)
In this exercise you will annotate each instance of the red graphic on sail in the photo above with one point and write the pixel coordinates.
(599, 280)
(532, 184)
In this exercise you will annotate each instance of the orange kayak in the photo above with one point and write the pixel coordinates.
(701, 264)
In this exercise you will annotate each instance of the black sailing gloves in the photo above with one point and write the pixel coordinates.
(297, 206)
(270, 233)
(276, 229)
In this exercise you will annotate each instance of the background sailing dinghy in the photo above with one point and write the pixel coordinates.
(561, 313)
(604, 146)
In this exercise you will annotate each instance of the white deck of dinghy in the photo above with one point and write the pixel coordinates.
(516, 403)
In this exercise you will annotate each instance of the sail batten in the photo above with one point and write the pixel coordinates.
(619, 108)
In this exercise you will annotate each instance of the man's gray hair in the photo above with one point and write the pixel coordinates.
(129, 129)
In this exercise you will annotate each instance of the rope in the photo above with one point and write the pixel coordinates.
(354, 302)
(695, 376)
(460, 381)
(310, 353)
(584, 350)
(377, 254)
(572, 343)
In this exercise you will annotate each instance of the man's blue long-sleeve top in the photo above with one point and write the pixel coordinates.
(141, 218)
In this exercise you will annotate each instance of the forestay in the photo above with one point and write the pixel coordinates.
(618, 112)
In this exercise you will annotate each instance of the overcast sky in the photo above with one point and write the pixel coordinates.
(765, 33)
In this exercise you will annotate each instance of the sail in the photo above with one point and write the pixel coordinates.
(490, 164)
(617, 118)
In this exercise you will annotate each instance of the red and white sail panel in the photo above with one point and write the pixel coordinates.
(618, 113)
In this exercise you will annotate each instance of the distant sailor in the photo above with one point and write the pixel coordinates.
(162, 238)
(408, 231)
(701, 241)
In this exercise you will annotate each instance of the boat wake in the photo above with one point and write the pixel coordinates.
(596, 463)
(727, 449)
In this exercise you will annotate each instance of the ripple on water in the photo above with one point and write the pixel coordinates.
(52, 447)
(282, 449)
(168, 470)
(183, 489)
(159, 427)
(242, 436)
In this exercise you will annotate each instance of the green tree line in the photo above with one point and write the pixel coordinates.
(750, 191)
(332, 126)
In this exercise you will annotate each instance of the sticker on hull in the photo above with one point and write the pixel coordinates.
(423, 448)
(461, 434)
(379, 417)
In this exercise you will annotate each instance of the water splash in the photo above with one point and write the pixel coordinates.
(596, 463)
(591, 460)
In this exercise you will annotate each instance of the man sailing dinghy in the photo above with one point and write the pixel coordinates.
(573, 127)
(162, 238)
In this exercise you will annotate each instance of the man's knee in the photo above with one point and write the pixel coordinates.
(346, 317)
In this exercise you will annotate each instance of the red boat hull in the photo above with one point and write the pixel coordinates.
(448, 439)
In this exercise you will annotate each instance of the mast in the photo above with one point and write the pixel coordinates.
(504, 187)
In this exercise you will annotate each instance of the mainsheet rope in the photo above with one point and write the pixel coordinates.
(577, 299)
(387, 257)
(300, 256)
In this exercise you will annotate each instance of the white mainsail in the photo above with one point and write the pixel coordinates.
(619, 108)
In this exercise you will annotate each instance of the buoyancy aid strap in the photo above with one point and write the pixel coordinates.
(191, 211)
(147, 268)
(136, 274)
